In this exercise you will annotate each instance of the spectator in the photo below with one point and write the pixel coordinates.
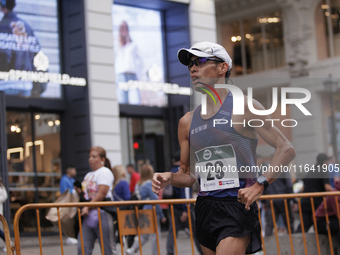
(120, 192)
(134, 177)
(67, 183)
(67, 180)
(313, 184)
(333, 171)
(97, 186)
(332, 212)
(180, 211)
(145, 190)
(3, 198)
(121, 189)
(79, 190)
(282, 185)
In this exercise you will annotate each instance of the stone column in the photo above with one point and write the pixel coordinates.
(310, 136)
(202, 28)
(104, 107)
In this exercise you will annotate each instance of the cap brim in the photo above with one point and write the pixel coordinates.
(184, 55)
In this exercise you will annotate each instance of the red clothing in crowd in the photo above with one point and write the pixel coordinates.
(332, 224)
(331, 208)
(331, 205)
(133, 181)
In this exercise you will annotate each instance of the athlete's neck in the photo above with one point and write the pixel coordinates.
(214, 105)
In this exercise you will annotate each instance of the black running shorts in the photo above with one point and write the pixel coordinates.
(218, 218)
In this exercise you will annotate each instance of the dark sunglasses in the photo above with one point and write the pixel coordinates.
(202, 61)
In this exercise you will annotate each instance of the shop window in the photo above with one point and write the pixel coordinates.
(256, 44)
(34, 163)
(327, 23)
(29, 48)
(138, 49)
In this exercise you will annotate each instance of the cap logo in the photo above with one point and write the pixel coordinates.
(206, 50)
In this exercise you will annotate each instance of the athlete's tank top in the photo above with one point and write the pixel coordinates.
(208, 142)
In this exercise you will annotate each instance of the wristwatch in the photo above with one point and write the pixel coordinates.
(262, 180)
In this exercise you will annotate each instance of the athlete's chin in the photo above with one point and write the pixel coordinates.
(198, 88)
(195, 81)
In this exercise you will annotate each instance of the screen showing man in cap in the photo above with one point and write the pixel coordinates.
(226, 210)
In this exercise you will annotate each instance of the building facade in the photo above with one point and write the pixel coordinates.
(66, 101)
(47, 126)
(287, 44)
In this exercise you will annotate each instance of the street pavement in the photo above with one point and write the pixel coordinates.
(51, 246)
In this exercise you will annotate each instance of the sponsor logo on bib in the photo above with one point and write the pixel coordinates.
(207, 154)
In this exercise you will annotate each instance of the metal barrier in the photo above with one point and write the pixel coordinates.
(301, 195)
(7, 235)
(139, 229)
(140, 223)
(121, 215)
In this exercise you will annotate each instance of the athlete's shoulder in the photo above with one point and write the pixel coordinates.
(184, 125)
(186, 119)
(256, 104)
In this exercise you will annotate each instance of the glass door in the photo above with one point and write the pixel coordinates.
(34, 165)
(145, 141)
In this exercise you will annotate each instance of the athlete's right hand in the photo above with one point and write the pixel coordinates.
(160, 180)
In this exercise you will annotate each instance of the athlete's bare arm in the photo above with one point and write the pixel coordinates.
(284, 153)
(182, 178)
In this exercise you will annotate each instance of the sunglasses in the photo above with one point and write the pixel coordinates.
(202, 61)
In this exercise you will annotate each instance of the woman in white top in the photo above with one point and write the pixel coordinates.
(97, 186)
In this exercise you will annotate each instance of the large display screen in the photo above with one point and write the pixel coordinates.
(138, 52)
(29, 49)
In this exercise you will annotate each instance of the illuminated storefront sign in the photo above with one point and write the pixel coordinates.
(41, 77)
(167, 88)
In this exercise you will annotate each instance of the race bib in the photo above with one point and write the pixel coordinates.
(217, 168)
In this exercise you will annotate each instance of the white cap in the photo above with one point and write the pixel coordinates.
(204, 50)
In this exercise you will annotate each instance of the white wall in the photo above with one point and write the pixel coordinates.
(202, 20)
(104, 107)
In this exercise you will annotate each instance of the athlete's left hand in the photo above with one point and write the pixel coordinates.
(247, 196)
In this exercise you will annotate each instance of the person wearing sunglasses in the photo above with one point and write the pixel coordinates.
(226, 211)
(202, 61)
